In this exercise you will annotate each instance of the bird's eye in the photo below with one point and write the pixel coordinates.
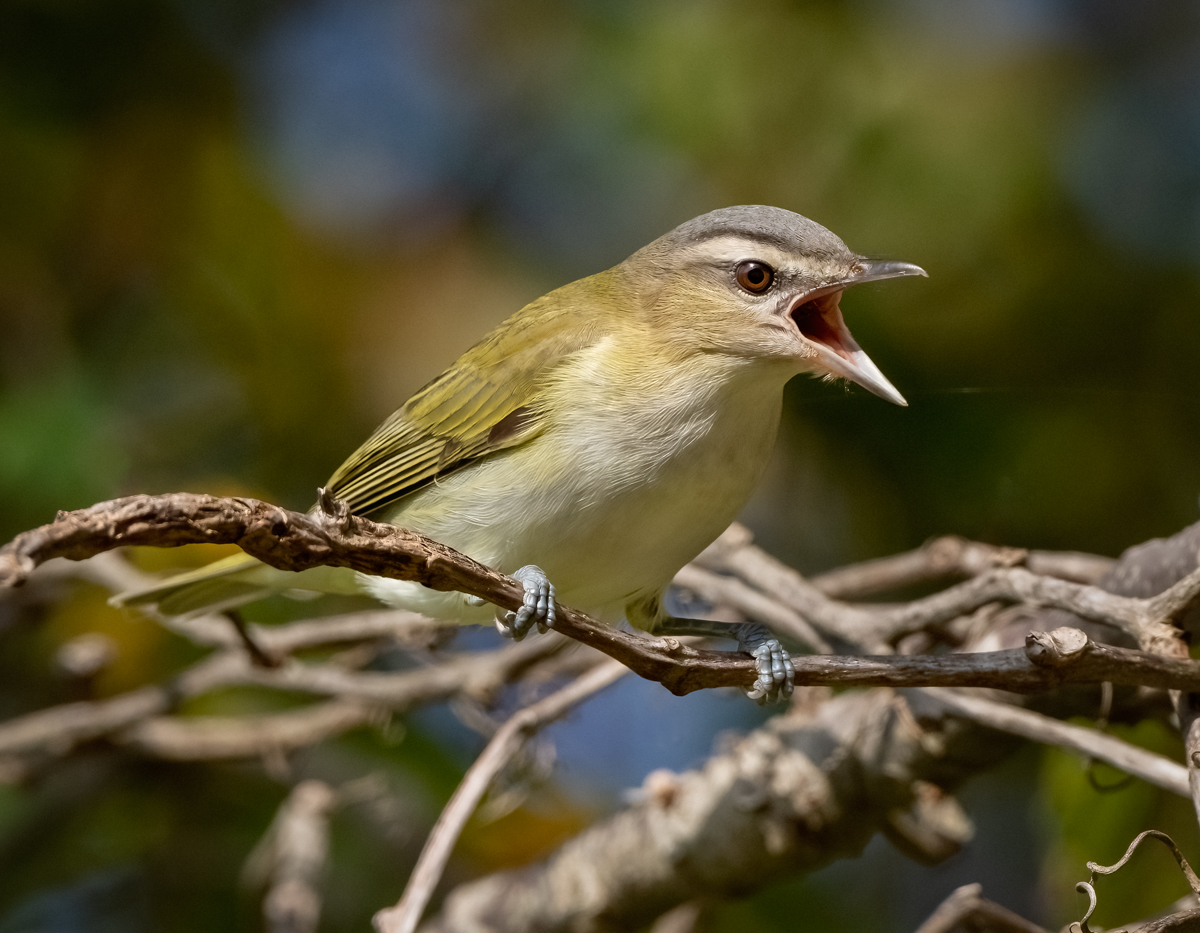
(754, 276)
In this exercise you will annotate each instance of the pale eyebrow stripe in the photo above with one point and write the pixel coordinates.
(730, 248)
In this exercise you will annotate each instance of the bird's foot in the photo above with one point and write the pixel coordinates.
(776, 673)
(537, 609)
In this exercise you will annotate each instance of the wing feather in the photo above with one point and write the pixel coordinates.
(488, 401)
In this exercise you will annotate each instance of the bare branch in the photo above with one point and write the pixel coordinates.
(1150, 621)
(363, 695)
(682, 919)
(291, 859)
(1044, 664)
(293, 541)
(203, 738)
(56, 730)
(508, 740)
(805, 789)
(1049, 660)
(951, 556)
(296, 542)
(1187, 921)
(967, 908)
(1150, 767)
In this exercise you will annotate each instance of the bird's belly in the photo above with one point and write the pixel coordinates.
(608, 518)
(632, 540)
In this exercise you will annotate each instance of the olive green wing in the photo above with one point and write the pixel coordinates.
(489, 400)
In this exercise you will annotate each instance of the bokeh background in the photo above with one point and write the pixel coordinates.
(235, 234)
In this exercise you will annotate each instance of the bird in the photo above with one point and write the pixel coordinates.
(602, 436)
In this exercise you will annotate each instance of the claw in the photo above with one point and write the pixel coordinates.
(537, 608)
(776, 673)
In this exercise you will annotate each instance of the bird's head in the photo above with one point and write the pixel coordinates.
(761, 283)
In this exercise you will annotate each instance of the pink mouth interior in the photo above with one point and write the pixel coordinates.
(820, 320)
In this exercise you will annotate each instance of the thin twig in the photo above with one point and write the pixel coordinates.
(508, 740)
(253, 648)
(58, 729)
(951, 556)
(1147, 620)
(1089, 887)
(682, 919)
(1155, 769)
(206, 738)
(967, 908)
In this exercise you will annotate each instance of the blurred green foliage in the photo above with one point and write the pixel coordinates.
(235, 236)
(1098, 813)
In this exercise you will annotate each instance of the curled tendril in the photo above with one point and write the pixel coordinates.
(1087, 887)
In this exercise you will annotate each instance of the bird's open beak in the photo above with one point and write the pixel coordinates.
(818, 317)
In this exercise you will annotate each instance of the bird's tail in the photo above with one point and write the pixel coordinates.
(233, 582)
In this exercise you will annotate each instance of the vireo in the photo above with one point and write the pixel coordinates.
(602, 436)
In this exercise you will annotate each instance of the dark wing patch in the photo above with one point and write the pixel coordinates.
(512, 424)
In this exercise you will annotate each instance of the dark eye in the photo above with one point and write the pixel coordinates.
(754, 276)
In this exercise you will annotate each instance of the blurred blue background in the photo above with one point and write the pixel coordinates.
(235, 234)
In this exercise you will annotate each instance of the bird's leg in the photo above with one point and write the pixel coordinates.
(537, 609)
(776, 673)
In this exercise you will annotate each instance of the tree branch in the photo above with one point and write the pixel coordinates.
(951, 556)
(135, 719)
(967, 909)
(1152, 768)
(293, 541)
(290, 859)
(206, 738)
(1148, 620)
(508, 740)
(807, 788)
